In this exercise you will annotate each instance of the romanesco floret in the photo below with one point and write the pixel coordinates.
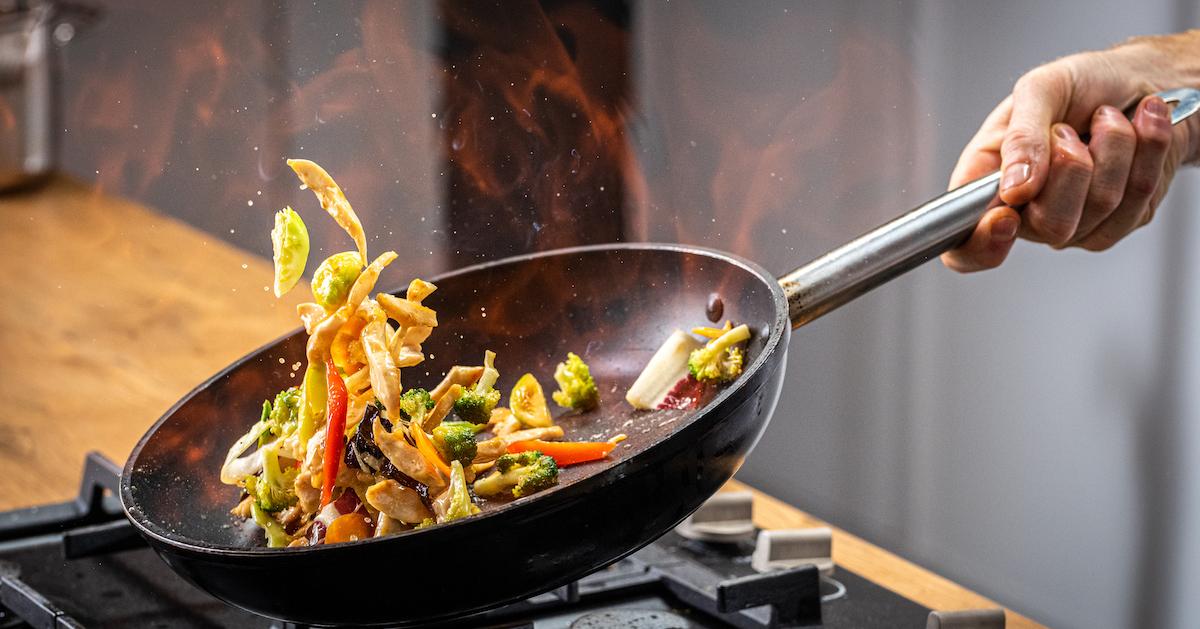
(576, 388)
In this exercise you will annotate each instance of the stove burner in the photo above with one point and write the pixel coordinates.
(65, 565)
(633, 619)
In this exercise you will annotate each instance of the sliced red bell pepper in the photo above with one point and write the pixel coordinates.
(566, 452)
(335, 414)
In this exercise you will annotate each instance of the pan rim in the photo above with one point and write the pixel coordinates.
(199, 548)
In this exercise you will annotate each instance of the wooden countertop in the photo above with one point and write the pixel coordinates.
(112, 312)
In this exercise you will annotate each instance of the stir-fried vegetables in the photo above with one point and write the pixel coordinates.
(289, 244)
(336, 413)
(457, 499)
(456, 441)
(566, 453)
(576, 388)
(273, 491)
(332, 199)
(476, 405)
(349, 453)
(721, 359)
(282, 417)
(528, 403)
(332, 280)
(522, 474)
(414, 404)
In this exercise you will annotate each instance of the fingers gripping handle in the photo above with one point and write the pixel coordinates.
(909, 240)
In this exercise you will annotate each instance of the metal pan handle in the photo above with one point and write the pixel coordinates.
(909, 240)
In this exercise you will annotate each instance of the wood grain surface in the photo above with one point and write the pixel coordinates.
(112, 312)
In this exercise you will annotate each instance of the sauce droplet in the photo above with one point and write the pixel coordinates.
(715, 307)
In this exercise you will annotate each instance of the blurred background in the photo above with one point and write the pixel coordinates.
(1029, 432)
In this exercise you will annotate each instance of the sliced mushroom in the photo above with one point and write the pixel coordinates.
(406, 312)
(397, 501)
(310, 497)
(462, 376)
(407, 459)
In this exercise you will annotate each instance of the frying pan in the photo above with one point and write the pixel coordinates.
(613, 304)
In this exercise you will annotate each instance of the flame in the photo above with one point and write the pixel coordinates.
(509, 127)
(8, 118)
(534, 128)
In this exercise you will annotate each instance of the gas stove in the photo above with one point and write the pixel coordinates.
(80, 564)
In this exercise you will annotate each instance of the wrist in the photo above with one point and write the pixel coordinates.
(1162, 62)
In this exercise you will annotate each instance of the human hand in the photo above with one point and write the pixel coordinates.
(1074, 194)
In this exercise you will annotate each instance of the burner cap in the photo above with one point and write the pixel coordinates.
(9, 569)
(632, 619)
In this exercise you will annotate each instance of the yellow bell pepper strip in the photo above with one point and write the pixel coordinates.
(334, 437)
(566, 452)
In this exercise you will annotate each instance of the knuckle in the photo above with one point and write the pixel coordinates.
(1054, 229)
(1156, 138)
(1104, 198)
(1075, 163)
(1115, 130)
(1142, 184)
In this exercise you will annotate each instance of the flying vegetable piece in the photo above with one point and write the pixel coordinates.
(280, 418)
(528, 403)
(332, 280)
(415, 403)
(274, 490)
(460, 505)
(523, 473)
(476, 405)
(456, 441)
(332, 199)
(721, 359)
(289, 245)
(576, 388)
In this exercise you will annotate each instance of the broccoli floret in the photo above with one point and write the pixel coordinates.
(280, 419)
(476, 408)
(277, 537)
(460, 498)
(274, 490)
(524, 473)
(456, 441)
(414, 403)
(721, 360)
(576, 388)
(476, 405)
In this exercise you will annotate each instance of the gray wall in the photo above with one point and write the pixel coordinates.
(1027, 432)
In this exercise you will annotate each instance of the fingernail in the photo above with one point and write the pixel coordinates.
(1109, 111)
(1005, 229)
(1015, 175)
(1156, 107)
(1064, 132)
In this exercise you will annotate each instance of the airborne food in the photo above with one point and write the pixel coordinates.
(349, 453)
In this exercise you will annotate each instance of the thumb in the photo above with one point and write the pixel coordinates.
(1039, 100)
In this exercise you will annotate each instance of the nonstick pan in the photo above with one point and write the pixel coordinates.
(614, 304)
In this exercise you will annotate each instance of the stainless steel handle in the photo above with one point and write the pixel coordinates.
(909, 240)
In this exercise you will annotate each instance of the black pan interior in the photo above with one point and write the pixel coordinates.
(612, 305)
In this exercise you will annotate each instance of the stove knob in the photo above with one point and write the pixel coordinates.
(967, 619)
(726, 517)
(788, 548)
